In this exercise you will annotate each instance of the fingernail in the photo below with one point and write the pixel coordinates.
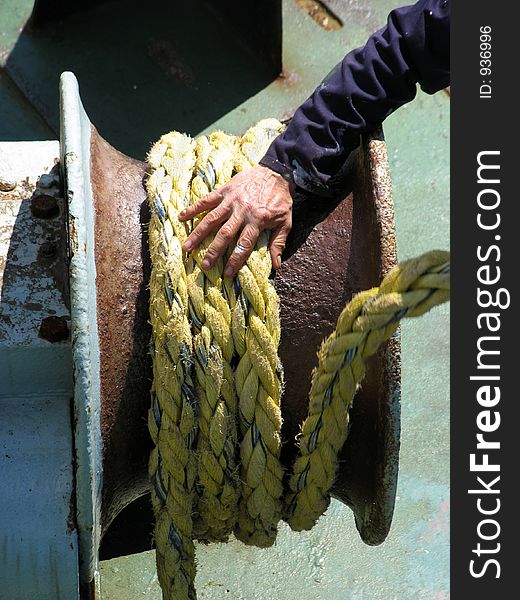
(206, 264)
(182, 213)
(228, 272)
(188, 245)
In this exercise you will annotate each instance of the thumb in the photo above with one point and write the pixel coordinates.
(277, 245)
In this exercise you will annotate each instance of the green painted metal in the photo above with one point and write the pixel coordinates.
(122, 50)
(13, 16)
(18, 119)
(330, 562)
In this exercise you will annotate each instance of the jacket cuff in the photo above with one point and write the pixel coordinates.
(296, 175)
(275, 165)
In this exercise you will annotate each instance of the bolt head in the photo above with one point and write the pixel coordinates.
(7, 184)
(44, 206)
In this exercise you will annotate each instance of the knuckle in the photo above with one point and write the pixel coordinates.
(194, 236)
(233, 262)
(226, 232)
(214, 197)
(246, 243)
(263, 215)
(212, 217)
(236, 264)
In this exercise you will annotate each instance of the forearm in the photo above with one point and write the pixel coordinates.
(368, 85)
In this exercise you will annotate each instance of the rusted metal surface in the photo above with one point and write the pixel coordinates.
(32, 281)
(44, 206)
(47, 250)
(335, 249)
(368, 479)
(7, 184)
(321, 14)
(122, 277)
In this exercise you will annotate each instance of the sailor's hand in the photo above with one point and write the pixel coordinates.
(251, 202)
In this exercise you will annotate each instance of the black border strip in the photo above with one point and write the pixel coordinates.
(484, 123)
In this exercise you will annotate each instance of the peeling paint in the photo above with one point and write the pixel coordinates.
(29, 289)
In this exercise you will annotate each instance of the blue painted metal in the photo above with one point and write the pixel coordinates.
(75, 161)
(49, 534)
(38, 537)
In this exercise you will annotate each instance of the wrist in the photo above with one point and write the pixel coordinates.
(281, 171)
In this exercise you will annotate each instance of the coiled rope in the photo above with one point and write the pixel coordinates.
(215, 417)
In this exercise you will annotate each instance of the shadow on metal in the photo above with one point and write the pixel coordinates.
(184, 51)
(37, 503)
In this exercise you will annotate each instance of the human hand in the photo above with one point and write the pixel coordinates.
(252, 201)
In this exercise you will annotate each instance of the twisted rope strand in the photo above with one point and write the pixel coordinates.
(213, 343)
(172, 415)
(258, 377)
(409, 290)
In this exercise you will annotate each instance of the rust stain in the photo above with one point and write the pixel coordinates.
(47, 250)
(33, 306)
(122, 313)
(288, 78)
(21, 191)
(321, 14)
(73, 234)
(6, 184)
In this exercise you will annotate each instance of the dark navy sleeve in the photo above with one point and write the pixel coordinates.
(368, 85)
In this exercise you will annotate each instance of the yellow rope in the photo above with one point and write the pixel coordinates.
(217, 372)
(213, 352)
(367, 321)
(258, 376)
(172, 420)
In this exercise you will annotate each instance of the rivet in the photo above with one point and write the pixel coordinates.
(48, 180)
(7, 184)
(44, 206)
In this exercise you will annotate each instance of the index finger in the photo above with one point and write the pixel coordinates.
(210, 201)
